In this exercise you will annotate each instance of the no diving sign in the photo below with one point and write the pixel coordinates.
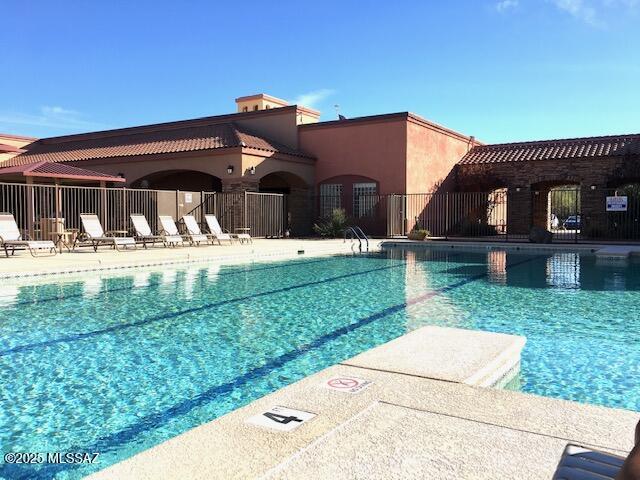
(347, 384)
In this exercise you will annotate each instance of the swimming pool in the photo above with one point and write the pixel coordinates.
(117, 364)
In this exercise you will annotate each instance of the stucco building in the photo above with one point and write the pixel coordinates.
(267, 145)
(270, 146)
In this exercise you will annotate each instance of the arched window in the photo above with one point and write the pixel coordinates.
(245, 109)
(255, 107)
(267, 106)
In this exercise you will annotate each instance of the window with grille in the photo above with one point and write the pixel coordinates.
(365, 199)
(330, 198)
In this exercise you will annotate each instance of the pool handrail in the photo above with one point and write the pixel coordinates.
(357, 232)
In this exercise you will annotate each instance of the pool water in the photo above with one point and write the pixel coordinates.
(117, 364)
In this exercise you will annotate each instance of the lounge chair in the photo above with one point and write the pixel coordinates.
(145, 235)
(194, 231)
(169, 228)
(216, 230)
(580, 463)
(95, 234)
(11, 238)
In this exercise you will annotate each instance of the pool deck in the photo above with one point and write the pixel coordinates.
(421, 415)
(22, 264)
(86, 260)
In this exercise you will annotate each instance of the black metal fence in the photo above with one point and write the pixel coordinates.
(567, 213)
(45, 210)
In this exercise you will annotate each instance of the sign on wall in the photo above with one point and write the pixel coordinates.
(617, 204)
(188, 198)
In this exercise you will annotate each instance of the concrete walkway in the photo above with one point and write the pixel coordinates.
(391, 423)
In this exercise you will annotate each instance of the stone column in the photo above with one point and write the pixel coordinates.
(231, 204)
(593, 213)
(519, 206)
(300, 211)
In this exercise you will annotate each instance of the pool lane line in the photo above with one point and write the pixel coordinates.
(155, 420)
(83, 335)
(172, 315)
(156, 284)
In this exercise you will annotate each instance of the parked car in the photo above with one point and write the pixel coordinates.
(572, 222)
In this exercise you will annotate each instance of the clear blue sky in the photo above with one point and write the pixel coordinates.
(502, 70)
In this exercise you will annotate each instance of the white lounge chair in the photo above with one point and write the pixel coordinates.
(11, 238)
(216, 229)
(193, 229)
(580, 463)
(169, 227)
(145, 235)
(95, 234)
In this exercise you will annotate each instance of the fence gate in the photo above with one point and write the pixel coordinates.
(264, 214)
(396, 214)
(559, 211)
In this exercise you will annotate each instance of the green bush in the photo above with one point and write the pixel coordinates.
(469, 228)
(419, 234)
(332, 226)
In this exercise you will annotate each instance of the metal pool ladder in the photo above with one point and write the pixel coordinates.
(356, 232)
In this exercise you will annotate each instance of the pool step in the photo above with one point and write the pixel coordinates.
(617, 252)
(483, 359)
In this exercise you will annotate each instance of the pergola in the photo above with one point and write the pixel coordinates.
(36, 188)
(57, 173)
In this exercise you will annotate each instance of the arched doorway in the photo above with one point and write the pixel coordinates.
(282, 182)
(186, 180)
(556, 207)
(298, 202)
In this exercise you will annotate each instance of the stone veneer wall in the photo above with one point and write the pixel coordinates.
(536, 178)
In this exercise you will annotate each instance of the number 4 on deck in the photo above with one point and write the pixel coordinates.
(281, 418)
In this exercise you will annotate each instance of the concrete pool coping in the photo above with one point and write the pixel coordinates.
(22, 265)
(597, 249)
(400, 425)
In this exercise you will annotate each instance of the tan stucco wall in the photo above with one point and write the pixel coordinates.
(431, 157)
(212, 163)
(279, 125)
(375, 150)
(262, 101)
(135, 168)
(303, 168)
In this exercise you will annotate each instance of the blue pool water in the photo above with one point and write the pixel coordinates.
(120, 363)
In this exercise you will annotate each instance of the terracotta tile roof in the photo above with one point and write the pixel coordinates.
(57, 170)
(4, 148)
(146, 142)
(590, 147)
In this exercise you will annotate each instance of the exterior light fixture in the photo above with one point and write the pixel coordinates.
(593, 187)
(518, 188)
(252, 170)
(230, 169)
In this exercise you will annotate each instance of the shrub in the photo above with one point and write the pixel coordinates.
(419, 234)
(332, 226)
(469, 228)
